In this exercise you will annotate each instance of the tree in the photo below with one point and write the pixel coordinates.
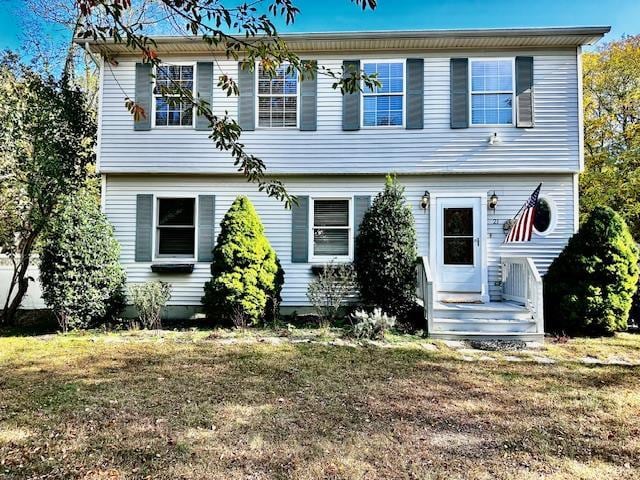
(245, 271)
(241, 31)
(386, 252)
(590, 285)
(82, 279)
(612, 130)
(46, 143)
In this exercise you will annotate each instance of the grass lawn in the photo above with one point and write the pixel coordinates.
(186, 405)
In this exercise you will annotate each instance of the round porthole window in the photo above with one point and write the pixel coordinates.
(544, 220)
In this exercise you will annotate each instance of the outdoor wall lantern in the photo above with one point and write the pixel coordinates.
(424, 201)
(493, 201)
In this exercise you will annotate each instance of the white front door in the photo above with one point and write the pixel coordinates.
(458, 251)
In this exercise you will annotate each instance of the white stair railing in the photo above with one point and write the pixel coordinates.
(522, 283)
(424, 290)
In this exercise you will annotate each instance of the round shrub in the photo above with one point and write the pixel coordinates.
(386, 253)
(589, 287)
(82, 279)
(246, 275)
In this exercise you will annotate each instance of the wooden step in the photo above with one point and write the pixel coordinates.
(462, 335)
(484, 325)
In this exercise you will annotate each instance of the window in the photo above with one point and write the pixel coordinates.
(170, 110)
(458, 236)
(176, 231)
(544, 221)
(384, 106)
(492, 92)
(332, 236)
(278, 98)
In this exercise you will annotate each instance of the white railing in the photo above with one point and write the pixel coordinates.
(424, 290)
(522, 283)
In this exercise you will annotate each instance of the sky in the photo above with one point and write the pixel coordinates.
(342, 15)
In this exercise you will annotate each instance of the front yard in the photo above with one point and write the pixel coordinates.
(208, 406)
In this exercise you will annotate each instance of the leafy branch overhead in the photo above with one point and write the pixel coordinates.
(245, 32)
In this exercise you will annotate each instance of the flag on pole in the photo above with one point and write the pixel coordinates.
(523, 226)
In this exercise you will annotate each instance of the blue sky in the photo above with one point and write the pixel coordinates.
(342, 15)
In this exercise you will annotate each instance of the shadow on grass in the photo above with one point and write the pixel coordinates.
(167, 410)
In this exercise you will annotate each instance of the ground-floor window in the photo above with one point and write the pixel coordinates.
(175, 227)
(545, 216)
(332, 232)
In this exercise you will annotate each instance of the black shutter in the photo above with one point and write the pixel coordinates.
(206, 227)
(351, 101)
(415, 93)
(459, 91)
(144, 228)
(300, 230)
(309, 99)
(524, 92)
(247, 97)
(204, 89)
(144, 95)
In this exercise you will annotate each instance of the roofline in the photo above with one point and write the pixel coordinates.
(590, 34)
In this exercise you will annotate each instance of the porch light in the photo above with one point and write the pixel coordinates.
(493, 201)
(424, 202)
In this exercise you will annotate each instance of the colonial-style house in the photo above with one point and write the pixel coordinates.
(471, 121)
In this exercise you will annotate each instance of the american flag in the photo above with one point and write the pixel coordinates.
(523, 227)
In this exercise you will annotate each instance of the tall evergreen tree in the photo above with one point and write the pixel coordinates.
(590, 285)
(386, 252)
(82, 279)
(246, 275)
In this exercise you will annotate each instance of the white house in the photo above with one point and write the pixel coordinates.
(467, 119)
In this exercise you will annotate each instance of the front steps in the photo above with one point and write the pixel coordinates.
(493, 320)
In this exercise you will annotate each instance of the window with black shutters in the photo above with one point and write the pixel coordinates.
(332, 235)
(176, 228)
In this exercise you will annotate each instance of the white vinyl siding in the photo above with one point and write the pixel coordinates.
(552, 146)
(512, 191)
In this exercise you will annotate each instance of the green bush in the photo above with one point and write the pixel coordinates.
(82, 279)
(246, 275)
(149, 299)
(386, 253)
(589, 287)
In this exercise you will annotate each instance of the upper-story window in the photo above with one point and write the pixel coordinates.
(492, 91)
(278, 97)
(384, 106)
(170, 109)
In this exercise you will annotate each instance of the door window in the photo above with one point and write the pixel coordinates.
(458, 236)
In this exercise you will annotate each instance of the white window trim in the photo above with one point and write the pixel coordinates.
(155, 237)
(258, 95)
(553, 207)
(155, 96)
(403, 61)
(330, 258)
(512, 92)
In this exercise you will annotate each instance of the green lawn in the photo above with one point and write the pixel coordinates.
(225, 406)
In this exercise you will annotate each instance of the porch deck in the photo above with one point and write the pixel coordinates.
(478, 320)
(517, 316)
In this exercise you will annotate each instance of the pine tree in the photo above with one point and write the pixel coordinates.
(386, 253)
(590, 286)
(246, 275)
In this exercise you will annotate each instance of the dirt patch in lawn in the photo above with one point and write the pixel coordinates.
(181, 406)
